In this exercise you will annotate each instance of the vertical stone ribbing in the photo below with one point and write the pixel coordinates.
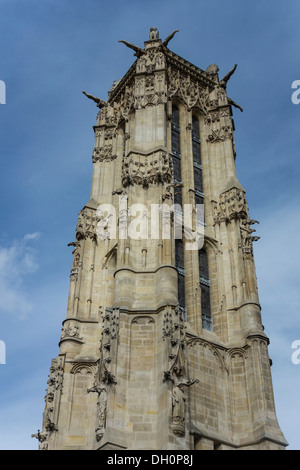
(135, 369)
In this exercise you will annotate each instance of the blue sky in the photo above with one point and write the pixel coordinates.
(52, 50)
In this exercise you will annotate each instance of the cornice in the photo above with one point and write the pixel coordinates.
(187, 67)
(114, 94)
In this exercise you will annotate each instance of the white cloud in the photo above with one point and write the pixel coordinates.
(32, 236)
(17, 261)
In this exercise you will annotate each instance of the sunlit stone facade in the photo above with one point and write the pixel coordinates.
(163, 346)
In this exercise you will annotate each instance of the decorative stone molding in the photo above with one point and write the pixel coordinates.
(218, 353)
(84, 368)
(77, 263)
(126, 102)
(186, 89)
(216, 116)
(220, 135)
(147, 169)
(55, 382)
(232, 205)
(109, 115)
(103, 154)
(186, 68)
(70, 331)
(52, 399)
(153, 59)
(247, 239)
(109, 340)
(150, 90)
(87, 224)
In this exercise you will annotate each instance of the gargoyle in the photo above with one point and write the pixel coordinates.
(233, 103)
(223, 82)
(168, 39)
(100, 103)
(138, 51)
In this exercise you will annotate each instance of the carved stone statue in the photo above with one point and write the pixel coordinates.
(101, 413)
(154, 34)
(178, 405)
(101, 409)
(212, 70)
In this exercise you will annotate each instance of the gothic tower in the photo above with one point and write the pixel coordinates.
(163, 346)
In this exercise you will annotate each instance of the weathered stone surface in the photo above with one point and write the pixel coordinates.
(143, 364)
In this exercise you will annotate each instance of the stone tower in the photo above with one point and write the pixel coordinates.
(163, 345)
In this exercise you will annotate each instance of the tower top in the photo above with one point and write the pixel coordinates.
(153, 37)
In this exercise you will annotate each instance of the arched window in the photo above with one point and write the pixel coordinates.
(197, 164)
(176, 152)
(179, 246)
(179, 262)
(199, 199)
(205, 290)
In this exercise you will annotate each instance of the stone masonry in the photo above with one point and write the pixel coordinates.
(163, 347)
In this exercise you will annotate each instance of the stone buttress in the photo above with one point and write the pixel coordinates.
(163, 346)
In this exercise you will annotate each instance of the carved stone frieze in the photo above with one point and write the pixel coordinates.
(147, 169)
(126, 102)
(103, 154)
(217, 115)
(150, 90)
(55, 381)
(87, 225)
(221, 134)
(109, 115)
(152, 59)
(52, 399)
(77, 263)
(70, 331)
(185, 88)
(232, 205)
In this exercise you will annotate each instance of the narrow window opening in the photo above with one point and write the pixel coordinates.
(205, 290)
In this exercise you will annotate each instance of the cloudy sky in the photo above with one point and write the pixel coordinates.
(50, 51)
